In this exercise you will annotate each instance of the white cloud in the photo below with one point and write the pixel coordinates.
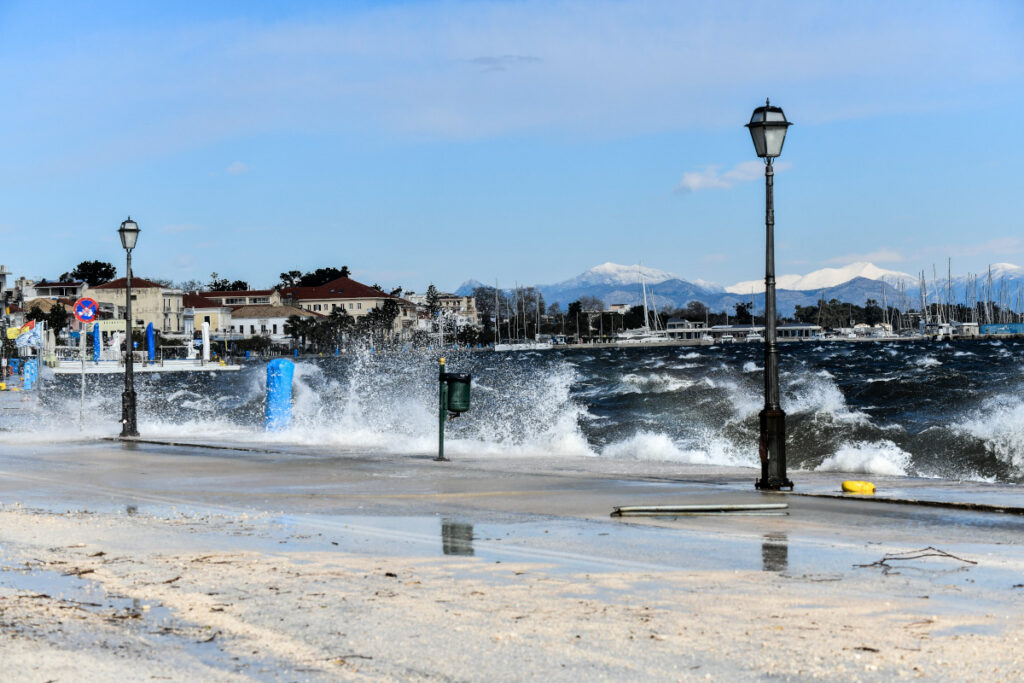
(711, 179)
(237, 168)
(428, 70)
(883, 255)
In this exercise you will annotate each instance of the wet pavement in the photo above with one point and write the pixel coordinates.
(551, 510)
(552, 515)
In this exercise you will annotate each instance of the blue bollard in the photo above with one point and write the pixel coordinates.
(279, 394)
(247, 354)
(296, 353)
(96, 343)
(337, 351)
(151, 342)
(31, 373)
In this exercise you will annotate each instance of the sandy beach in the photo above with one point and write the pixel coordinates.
(181, 563)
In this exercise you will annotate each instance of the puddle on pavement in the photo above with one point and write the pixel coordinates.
(143, 618)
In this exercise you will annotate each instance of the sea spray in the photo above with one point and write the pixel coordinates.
(956, 417)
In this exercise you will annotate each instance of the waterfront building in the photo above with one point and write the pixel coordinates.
(198, 309)
(152, 302)
(265, 320)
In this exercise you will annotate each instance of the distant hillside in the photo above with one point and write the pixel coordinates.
(618, 284)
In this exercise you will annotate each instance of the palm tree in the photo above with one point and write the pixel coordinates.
(338, 323)
(298, 328)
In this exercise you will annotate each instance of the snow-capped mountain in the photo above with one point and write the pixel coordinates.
(615, 274)
(824, 278)
(856, 283)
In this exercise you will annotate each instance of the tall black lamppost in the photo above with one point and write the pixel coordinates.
(768, 129)
(129, 232)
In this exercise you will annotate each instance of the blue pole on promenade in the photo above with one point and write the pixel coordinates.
(151, 342)
(31, 370)
(279, 394)
(96, 342)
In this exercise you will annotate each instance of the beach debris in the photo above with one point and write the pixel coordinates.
(885, 564)
(342, 660)
(79, 572)
(862, 487)
(720, 509)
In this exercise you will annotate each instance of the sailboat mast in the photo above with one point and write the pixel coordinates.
(885, 309)
(497, 315)
(949, 282)
(643, 286)
(536, 298)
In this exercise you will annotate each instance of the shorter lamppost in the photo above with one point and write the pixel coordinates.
(129, 232)
(768, 130)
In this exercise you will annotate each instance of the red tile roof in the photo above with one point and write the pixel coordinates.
(265, 311)
(137, 283)
(198, 301)
(342, 288)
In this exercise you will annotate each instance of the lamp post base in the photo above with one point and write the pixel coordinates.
(128, 423)
(773, 452)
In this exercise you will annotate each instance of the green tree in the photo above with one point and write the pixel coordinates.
(298, 328)
(336, 326)
(291, 278)
(695, 311)
(491, 314)
(573, 317)
(380, 320)
(432, 301)
(322, 276)
(872, 312)
(222, 284)
(633, 319)
(92, 273)
(36, 313)
(742, 312)
(57, 319)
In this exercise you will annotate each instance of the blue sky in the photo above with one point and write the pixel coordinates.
(527, 141)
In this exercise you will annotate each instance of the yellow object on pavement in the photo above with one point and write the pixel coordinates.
(865, 487)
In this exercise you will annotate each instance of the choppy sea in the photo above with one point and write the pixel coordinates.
(952, 411)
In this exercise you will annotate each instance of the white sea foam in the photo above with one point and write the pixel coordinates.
(709, 448)
(819, 396)
(646, 445)
(927, 361)
(751, 366)
(999, 424)
(652, 383)
(877, 457)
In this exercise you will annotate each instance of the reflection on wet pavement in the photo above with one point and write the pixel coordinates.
(456, 538)
(775, 553)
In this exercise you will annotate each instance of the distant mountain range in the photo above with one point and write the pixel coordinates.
(855, 283)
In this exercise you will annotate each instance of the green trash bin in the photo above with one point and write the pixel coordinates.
(458, 391)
